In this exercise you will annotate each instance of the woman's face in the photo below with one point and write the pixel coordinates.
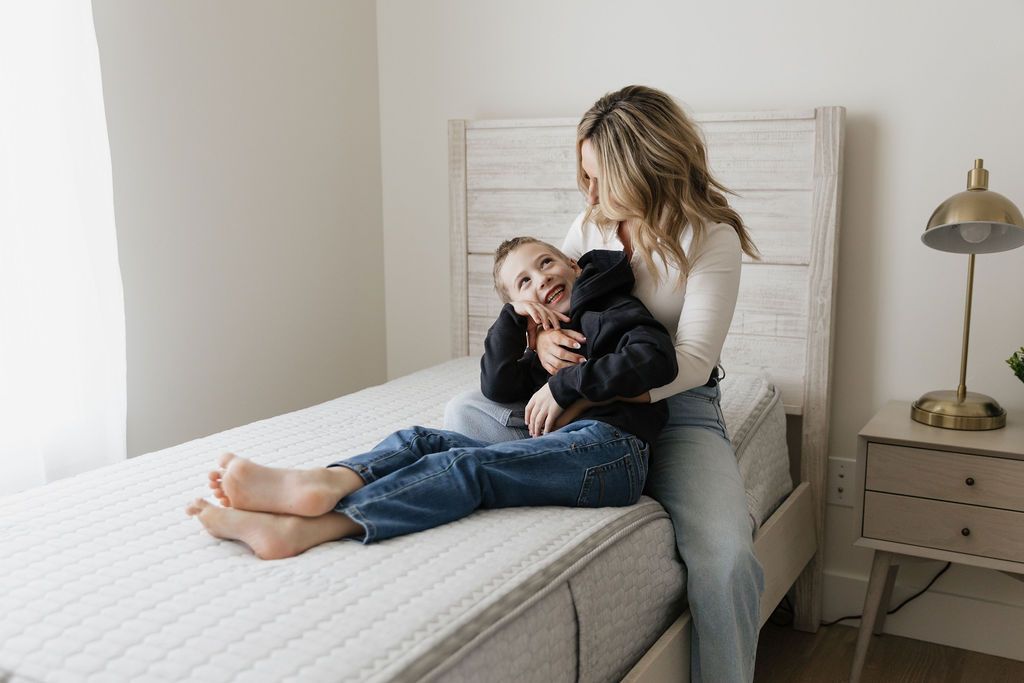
(588, 159)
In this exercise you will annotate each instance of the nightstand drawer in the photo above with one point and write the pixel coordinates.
(973, 479)
(949, 526)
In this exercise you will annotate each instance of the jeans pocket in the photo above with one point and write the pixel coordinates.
(516, 417)
(612, 484)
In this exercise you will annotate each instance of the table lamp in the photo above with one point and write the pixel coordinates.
(977, 221)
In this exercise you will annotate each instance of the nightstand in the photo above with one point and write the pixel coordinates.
(936, 493)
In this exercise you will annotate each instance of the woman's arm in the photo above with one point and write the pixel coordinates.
(711, 291)
(639, 355)
(571, 413)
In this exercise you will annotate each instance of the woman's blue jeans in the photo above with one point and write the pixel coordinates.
(694, 475)
(420, 478)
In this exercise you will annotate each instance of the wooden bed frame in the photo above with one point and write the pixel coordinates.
(517, 177)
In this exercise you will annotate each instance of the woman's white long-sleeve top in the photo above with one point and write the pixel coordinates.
(698, 309)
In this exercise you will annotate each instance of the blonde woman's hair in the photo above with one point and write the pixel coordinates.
(653, 168)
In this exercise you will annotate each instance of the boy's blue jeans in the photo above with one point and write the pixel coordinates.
(420, 478)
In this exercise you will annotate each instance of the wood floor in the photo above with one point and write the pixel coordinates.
(785, 655)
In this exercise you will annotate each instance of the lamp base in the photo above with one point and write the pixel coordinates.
(942, 409)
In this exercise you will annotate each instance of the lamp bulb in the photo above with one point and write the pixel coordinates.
(975, 233)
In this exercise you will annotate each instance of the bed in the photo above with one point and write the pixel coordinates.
(103, 578)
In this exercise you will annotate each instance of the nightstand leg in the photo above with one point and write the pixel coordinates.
(876, 586)
(890, 581)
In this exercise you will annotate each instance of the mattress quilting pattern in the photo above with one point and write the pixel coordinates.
(103, 578)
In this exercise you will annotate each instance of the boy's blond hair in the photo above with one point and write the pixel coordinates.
(506, 248)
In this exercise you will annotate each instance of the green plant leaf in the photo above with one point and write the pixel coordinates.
(1016, 363)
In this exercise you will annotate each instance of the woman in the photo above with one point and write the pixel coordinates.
(643, 168)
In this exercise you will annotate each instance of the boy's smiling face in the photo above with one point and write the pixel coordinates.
(533, 272)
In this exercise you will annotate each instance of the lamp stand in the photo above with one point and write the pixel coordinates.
(960, 409)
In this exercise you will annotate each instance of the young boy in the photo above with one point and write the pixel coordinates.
(420, 478)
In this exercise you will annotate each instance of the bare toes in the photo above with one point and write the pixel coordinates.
(196, 506)
(217, 486)
(221, 496)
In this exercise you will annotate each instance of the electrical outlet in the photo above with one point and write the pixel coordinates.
(840, 481)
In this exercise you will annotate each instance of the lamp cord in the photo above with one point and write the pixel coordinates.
(786, 609)
(900, 606)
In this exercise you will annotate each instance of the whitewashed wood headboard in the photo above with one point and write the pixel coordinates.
(518, 177)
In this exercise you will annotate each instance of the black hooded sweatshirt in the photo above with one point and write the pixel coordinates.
(628, 351)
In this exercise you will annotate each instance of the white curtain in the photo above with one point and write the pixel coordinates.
(62, 339)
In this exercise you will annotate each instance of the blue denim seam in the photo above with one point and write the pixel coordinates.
(637, 460)
(408, 447)
(721, 422)
(638, 451)
(641, 467)
(365, 471)
(365, 476)
(356, 515)
(462, 455)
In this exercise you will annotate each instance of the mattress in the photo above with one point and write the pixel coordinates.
(103, 577)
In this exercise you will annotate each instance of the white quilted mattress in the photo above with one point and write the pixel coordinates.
(104, 578)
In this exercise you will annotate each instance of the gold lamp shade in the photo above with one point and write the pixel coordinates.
(977, 221)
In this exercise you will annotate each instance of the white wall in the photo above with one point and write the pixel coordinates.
(928, 87)
(246, 158)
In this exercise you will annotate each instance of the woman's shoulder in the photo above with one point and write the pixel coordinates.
(719, 245)
(724, 233)
(714, 236)
(716, 230)
(581, 224)
(586, 233)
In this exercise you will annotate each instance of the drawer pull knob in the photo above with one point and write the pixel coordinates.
(965, 531)
(969, 481)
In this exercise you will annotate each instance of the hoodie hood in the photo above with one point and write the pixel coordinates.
(602, 273)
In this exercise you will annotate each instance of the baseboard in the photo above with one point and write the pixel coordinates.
(937, 616)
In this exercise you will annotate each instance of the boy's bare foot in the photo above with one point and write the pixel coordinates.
(245, 485)
(272, 537)
(218, 488)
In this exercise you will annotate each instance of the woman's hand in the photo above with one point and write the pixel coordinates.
(542, 411)
(553, 349)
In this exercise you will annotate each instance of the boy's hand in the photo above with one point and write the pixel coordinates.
(541, 317)
(542, 412)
